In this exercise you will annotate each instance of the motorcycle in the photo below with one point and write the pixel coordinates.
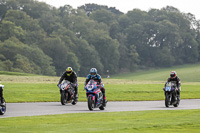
(2, 105)
(94, 96)
(171, 97)
(67, 93)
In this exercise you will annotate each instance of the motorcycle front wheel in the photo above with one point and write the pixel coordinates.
(63, 98)
(90, 103)
(167, 98)
(3, 108)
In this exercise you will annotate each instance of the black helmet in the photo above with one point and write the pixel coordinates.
(173, 74)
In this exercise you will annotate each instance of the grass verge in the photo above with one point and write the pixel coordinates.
(48, 92)
(187, 73)
(182, 121)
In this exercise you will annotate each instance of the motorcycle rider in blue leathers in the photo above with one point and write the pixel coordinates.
(93, 75)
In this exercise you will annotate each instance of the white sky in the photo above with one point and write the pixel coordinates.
(186, 6)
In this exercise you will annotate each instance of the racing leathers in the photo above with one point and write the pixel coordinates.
(1, 93)
(97, 78)
(176, 80)
(73, 79)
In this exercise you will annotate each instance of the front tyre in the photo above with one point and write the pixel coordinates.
(63, 98)
(90, 103)
(167, 98)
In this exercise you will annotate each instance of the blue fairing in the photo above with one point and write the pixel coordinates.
(168, 88)
(92, 89)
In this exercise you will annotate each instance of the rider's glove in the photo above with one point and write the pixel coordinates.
(59, 85)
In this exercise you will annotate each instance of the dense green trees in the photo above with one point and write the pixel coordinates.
(41, 39)
(23, 58)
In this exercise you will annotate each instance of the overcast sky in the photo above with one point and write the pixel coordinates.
(186, 6)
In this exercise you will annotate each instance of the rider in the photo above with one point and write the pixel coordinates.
(1, 94)
(71, 76)
(93, 75)
(174, 78)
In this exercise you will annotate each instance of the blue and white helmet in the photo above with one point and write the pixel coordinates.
(93, 72)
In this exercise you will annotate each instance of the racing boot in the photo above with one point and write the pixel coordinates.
(76, 94)
(1, 94)
(76, 97)
(175, 98)
(178, 96)
(104, 100)
(2, 102)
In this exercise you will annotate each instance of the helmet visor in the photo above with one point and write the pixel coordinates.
(172, 75)
(93, 73)
(69, 73)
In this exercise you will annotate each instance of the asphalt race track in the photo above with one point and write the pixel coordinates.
(49, 108)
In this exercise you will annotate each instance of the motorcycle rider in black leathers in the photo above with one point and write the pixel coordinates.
(71, 76)
(93, 75)
(176, 80)
(1, 94)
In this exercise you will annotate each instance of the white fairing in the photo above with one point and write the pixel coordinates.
(64, 85)
(90, 87)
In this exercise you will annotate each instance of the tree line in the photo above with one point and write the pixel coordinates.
(41, 39)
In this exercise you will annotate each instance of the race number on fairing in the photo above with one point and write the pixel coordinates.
(90, 87)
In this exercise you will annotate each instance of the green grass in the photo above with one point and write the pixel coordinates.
(16, 73)
(177, 121)
(187, 73)
(143, 92)
(146, 85)
(40, 92)
(44, 89)
(31, 92)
